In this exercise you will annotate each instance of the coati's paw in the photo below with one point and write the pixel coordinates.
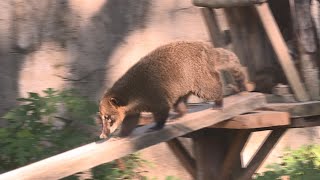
(103, 136)
(218, 105)
(234, 88)
(250, 86)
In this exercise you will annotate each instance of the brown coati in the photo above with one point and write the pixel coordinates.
(164, 79)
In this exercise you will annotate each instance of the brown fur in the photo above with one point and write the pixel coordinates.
(164, 79)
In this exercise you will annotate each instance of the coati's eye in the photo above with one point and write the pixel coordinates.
(114, 102)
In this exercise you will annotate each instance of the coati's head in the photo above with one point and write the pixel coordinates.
(111, 114)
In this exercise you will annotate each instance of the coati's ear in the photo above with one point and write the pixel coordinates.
(114, 101)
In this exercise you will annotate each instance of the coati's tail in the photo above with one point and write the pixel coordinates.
(239, 76)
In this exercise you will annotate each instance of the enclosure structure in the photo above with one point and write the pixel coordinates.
(260, 34)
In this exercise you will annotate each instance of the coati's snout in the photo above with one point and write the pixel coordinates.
(111, 115)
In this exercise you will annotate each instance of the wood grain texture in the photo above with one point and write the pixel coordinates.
(281, 50)
(104, 151)
(296, 110)
(256, 119)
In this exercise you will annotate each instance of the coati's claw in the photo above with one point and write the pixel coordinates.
(103, 136)
(218, 105)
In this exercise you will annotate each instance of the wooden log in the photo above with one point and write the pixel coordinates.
(256, 119)
(262, 153)
(281, 50)
(100, 152)
(183, 156)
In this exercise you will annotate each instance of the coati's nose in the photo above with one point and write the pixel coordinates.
(107, 117)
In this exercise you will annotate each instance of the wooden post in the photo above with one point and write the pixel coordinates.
(232, 161)
(210, 147)
(183, 155)
(281, 50)
(307, 43)
(217, 153)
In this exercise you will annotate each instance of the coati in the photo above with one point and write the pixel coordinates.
(163, 79)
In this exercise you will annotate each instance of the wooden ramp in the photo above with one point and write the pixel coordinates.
(94, 154)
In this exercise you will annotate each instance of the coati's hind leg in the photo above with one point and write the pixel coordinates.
(211, 89)
(180, 106)
(129, 124)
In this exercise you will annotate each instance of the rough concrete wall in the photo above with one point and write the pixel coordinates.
(88, 45)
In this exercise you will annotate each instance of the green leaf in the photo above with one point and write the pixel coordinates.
(34, 95)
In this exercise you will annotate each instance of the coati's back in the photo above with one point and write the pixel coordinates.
(173, 67)
(184, 61)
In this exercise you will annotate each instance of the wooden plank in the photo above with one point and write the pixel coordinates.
(281, 50)
(183, 155)
(296, 110)
(104, 151)
(256, 119)
(262, 153)
(239, 139)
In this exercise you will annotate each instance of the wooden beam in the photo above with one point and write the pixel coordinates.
(262, 153)
(104, 151)
(233, 155)
(210, 18)
(305, 122)
(296, 110)
(256, 119)
(183, 156)
(281, 50)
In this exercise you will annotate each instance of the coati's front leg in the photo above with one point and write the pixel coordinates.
(129, 123)
(161, 115)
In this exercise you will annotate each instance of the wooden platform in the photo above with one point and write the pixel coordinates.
(104, 151)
